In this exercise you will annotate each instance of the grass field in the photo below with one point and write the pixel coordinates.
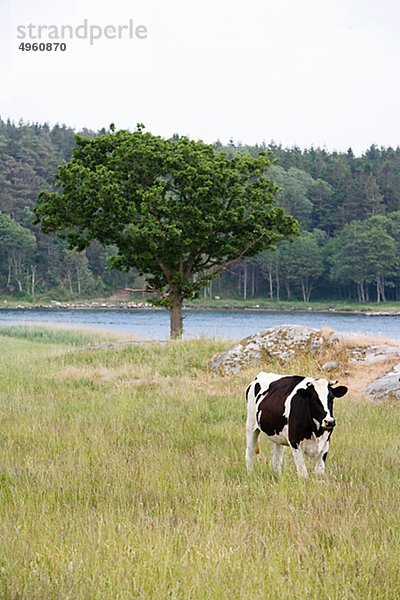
(122, 476)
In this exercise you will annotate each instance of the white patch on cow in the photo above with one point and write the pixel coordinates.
(277, 457)
(299, 462)
(265, 379)
(251, 445)
(281, 438)
(322, 389)
(315, 445)
(320, 463)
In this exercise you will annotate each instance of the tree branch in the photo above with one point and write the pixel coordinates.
(218, 267)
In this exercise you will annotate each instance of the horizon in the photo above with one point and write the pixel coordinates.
(236, 143)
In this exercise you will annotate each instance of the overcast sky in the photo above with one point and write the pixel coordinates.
(309, 72)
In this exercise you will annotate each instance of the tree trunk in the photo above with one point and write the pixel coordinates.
(78, 280)
(271, 285)
(69, 278)
(33, 281)
(303, 290)
(382, 283)
(361, 292)
(245, 282)
(278, 286)
(176, 319)
(288, 291)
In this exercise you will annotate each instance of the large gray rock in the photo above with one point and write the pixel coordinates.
(375, 353)
(282, 342)
(385, 387)
(330, 365)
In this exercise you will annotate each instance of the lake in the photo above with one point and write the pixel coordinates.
(153, 324)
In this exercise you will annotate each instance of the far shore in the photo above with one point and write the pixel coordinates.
(370, 309)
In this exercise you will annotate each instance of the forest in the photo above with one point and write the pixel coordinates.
(348, 208)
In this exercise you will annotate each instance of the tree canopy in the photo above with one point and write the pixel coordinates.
(175, 209)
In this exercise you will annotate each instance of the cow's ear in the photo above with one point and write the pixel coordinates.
(340, 391)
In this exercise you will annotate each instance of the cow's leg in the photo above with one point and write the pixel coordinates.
(299, 462)
(251, 446)
(320, 462)
(277, 457)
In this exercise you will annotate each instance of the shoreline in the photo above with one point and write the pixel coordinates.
(123, 306)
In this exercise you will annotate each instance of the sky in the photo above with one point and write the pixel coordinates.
(316, 72)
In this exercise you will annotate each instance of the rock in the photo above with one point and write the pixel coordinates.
(385, 387)
(369, 355)
(330, 365)
(335, 337)
(282, 343)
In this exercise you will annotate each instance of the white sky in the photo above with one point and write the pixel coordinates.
(309, 72)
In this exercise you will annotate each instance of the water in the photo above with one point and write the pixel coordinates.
(230, 324)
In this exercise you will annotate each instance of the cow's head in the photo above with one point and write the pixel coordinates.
(320, 394)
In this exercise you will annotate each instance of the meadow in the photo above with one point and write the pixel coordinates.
(122, 476)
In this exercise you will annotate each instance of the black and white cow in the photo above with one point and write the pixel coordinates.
(291, 411)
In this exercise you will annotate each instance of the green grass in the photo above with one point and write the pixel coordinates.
(52, 335)
(122, 476)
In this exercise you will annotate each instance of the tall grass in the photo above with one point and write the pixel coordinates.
(54, 335)
(122, 476)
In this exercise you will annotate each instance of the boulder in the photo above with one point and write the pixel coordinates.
(385, 387)
(374, 353)
(330, 365)
(281, 343)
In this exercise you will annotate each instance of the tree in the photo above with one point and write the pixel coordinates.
(268, 263)
(77, 272)
(380, 257)
(295, 187)
(365, 252)
(302, 262)
(16, 244)
(175, 209)
(347, 257)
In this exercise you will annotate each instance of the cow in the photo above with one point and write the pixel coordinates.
(292, 411)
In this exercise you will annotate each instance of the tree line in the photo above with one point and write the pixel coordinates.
(348, 208)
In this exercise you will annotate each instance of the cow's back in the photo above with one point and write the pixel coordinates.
(259, 384)
(271, 404)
